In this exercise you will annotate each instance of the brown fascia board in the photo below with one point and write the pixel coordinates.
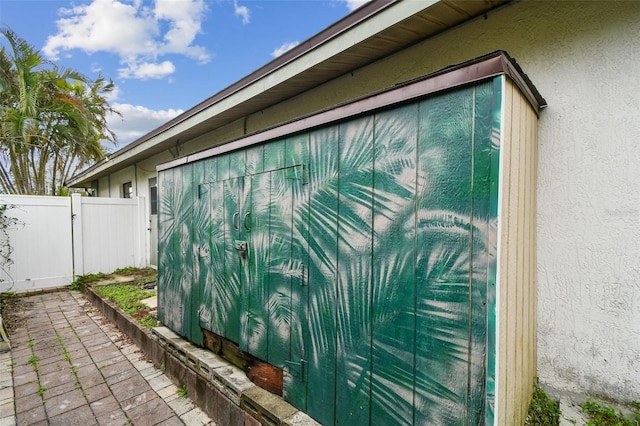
(337, 28)
(455, 76)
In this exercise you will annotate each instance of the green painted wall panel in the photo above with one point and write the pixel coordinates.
(443, 256)
(494, 180)
(165, 252)
(255, 160)
(368, 274)
(274, 155)
(216, 298)
(210, 170)
(323, 224)
(237, 164)
(393, 280)
(257, 314)
(222, 169)
(175, 218)
(484, 226)
(353, 307)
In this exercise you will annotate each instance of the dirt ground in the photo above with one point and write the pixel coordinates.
(12, 310)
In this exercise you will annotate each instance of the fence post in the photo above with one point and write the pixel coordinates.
(76, 232)
(141, 242)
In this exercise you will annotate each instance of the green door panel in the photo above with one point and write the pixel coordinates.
(216, 298)
(232, 292)
(256, 219)
(201, 248)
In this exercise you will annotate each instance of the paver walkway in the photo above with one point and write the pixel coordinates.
(73, 367)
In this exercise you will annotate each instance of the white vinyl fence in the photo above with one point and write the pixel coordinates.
(57, 238)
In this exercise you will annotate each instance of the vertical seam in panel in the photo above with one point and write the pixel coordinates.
(471, 252)
(415, 255)
(335, 283)
(268, 283)
(371, 266)
(305, 275)
(290, 260)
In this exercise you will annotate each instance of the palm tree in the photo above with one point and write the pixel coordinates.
(52, 120)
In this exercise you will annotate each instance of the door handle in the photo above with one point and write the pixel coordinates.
(236, 226)
(244, 221)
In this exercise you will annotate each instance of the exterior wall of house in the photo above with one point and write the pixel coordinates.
(582, 56)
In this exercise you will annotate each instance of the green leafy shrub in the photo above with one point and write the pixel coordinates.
(604, 415)
(84, 281)
(182, 391)
(543, 411)
(126, 296)
(148, 321)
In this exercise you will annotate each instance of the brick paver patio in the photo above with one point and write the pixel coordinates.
(73, 367)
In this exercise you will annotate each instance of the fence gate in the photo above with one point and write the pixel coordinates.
(57, 238)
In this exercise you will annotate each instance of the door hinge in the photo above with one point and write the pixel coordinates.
(303, 280)
(297, 369)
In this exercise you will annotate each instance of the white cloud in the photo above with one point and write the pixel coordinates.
(137, 121)
(137, 33)
(354, 4)
(242, 11)
(283, 48)
(144, 71)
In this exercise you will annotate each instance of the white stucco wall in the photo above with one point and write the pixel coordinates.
(589, 207)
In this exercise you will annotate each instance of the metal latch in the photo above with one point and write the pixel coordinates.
(297, 369)
(242, 247)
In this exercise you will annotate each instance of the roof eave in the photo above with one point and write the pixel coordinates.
(316, 50)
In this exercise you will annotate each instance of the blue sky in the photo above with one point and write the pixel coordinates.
(166, 56)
